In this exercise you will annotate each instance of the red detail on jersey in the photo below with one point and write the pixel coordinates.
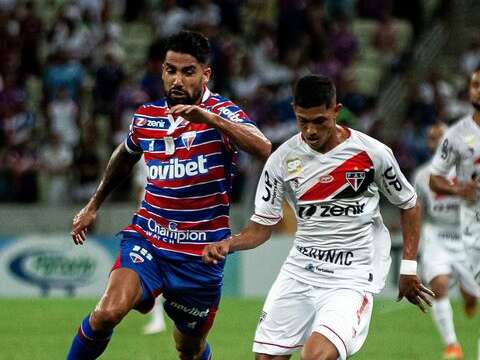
(321, 191)
(183, 154)
(184, 204)
(214, 224)
(211, 175)
(477, 161)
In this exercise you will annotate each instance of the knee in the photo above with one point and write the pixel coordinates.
(108, 317)
(319, 354)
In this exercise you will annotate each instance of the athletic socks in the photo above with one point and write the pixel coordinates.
(443, 318)
(207, 353)
(88, 344)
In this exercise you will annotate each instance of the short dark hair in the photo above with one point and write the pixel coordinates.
(314, 90)
(190, 42)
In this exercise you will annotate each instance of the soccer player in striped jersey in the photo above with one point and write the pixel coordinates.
(331, 176)
(189, 141)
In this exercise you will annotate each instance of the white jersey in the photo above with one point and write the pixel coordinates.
(441, 221)
(341, 241)
(460, 150)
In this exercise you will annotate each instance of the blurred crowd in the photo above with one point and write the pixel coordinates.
(72, 74)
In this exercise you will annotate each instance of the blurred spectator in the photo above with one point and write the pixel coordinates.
(171, 19)
(205, 13)
(470, 59)
(62, 72)
(64, 118)
(342, 41)
(31, 28)
(55, 163)
(151, 82)
(86, 170)
(108, 79)
(385, 38)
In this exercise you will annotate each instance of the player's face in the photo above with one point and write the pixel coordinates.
(475, 90)
(317, 124)
(184, 78)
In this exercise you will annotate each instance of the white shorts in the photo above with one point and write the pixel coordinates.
(294, 310)
(437, 260)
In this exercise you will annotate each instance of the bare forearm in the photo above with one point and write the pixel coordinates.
(247, 138)
(119, 167)
(443, 186)
(250, 237)
(410, 220)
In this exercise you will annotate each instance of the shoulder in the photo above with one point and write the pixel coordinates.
(369, 144)
(286, 152)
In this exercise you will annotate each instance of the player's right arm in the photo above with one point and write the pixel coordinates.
(443, 161)
(268, 212)
(125, 156)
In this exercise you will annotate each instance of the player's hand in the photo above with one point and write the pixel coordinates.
(192, 113)
(214, 253)
(415, 292)
(468, 191)
(81, 222)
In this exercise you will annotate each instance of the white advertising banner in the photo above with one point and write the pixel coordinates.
(51, 265)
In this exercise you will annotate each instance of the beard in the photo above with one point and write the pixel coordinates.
(476, 105)
(185, 100)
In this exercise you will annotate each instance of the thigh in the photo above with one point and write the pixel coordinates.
(435, 261)
(286, 318)
(136, 255)
(343, 317)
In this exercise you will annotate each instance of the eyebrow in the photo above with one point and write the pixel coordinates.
(320, 117)
(183, 69)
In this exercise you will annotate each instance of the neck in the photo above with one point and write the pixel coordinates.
(339, 135)
(476, 117)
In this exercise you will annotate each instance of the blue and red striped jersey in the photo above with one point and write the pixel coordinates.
(190, 170)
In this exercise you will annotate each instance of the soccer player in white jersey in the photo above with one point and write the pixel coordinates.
(460, 150)
(321, 302)
(443, 252)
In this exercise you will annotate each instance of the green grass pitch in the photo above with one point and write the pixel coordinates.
(40, 329)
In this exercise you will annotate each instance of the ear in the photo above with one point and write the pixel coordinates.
(338, 107)
(163, 71)
(207, 72)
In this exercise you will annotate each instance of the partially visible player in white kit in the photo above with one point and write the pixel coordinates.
(443, 252)
(460, 150)
(321, 302)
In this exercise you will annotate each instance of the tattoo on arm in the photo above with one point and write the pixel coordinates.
(118, 168)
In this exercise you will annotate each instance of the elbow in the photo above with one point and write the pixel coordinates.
(265, 150)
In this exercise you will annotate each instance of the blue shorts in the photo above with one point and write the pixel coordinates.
(191, 288)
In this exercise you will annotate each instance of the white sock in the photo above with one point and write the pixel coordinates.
(157, 313)
(443, 317)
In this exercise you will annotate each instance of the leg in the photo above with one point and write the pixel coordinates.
(122, 294)
(443, 317)
(318, 347)
(191, 347)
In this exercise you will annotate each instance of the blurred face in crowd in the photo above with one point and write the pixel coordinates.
(475, 90)
(434, 135)
(317, 124)
(184, 78)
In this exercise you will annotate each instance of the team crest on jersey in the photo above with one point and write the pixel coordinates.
(136, 258)
(355, 178)
(188, 138)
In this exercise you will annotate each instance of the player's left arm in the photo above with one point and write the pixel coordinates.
(394, 185)
(244, 135)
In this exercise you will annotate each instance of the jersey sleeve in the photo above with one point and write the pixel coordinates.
(419, 185)
(270, 194)
(232, 112)
(132, 143)
(445, 157)
(392, 182)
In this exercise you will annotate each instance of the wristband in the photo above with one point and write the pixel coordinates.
(408, 267)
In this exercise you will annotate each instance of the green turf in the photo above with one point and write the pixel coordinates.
(42, 329)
